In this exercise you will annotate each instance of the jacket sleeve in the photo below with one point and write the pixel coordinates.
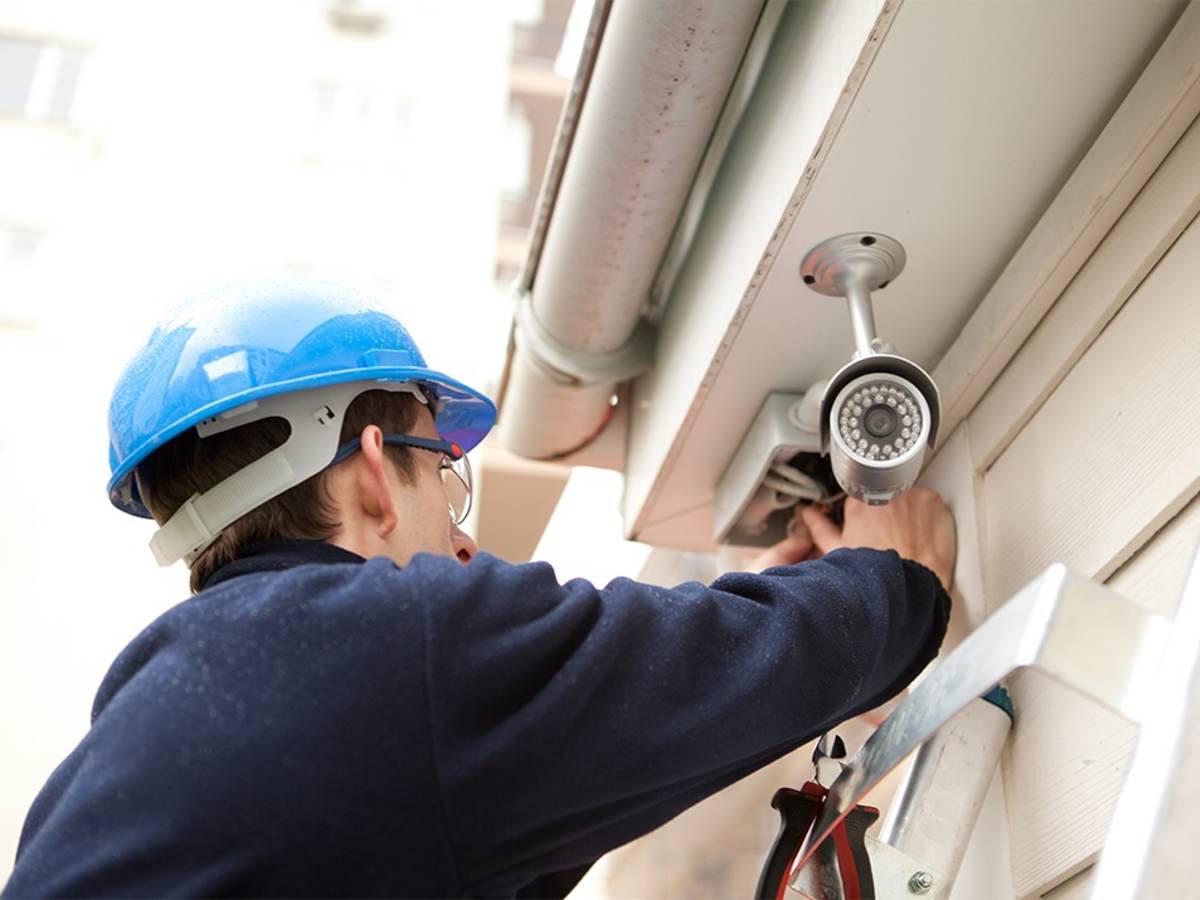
(567, 720)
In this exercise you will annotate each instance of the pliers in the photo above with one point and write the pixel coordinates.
(841, 868)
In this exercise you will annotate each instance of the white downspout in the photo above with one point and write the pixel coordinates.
(658, 81)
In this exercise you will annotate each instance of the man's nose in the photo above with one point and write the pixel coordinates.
(464, 545)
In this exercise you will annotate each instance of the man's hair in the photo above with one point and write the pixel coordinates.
(190, 465)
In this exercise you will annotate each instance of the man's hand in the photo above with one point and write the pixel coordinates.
(797, 547)
(917, 525)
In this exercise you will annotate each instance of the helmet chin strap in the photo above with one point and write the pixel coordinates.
(315, 418)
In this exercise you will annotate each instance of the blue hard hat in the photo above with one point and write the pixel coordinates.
(248, 341)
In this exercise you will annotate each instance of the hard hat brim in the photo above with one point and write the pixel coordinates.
(464, 416)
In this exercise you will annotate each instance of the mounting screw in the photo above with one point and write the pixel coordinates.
(920, 883)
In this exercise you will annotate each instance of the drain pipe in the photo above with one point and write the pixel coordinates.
(655, 77)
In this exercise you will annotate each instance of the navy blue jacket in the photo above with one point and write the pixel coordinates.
(315, 724)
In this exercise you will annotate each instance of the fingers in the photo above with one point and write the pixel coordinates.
(795, 548)
(799, 540)
(825, 535)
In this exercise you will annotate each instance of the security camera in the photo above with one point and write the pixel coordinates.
(880, 412)
(865, 433)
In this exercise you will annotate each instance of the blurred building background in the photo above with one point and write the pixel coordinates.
(148, 149)
(539, 76)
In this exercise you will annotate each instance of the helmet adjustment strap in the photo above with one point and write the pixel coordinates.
(315, 419)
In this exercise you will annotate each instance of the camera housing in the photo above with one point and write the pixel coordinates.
(778, 465)
(879, 418)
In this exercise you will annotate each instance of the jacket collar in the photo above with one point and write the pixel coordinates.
(277, 555)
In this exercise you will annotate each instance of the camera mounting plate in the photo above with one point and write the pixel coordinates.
(863, 259)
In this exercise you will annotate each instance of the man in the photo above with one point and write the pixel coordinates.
(357, 703)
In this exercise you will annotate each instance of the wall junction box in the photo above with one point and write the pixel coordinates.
(746, 511)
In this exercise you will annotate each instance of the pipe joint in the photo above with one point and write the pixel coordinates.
(628, 361)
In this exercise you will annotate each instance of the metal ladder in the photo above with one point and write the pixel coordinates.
(1138, 664)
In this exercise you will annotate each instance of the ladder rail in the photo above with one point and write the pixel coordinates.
(1078, 632)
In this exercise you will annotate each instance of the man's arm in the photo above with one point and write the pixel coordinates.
(567, 720)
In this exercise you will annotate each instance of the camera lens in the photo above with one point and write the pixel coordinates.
(877, 425)
(880, 421)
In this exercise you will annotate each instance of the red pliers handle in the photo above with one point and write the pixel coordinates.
(797, 811)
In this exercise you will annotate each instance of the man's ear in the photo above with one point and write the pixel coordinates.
(371, 483)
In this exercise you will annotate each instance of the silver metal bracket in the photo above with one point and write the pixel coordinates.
(852, 266)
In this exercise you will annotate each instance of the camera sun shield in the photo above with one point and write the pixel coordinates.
(879, 417)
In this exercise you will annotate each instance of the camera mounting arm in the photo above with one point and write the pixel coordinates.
(852, 266)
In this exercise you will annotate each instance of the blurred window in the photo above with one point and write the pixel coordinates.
(517, 150)
(18, 246)
(62, 99)
(527, 12)
(38, 80)
(18, 62)
(352, 122)
(324, 101)
(361, 17)
(19, 249)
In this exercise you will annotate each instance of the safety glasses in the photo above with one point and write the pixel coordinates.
(454, 468)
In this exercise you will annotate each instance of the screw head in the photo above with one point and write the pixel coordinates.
(920, 883)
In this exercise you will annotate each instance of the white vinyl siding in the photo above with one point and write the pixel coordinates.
(1089, 455)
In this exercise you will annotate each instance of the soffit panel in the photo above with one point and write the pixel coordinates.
(968, 121)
